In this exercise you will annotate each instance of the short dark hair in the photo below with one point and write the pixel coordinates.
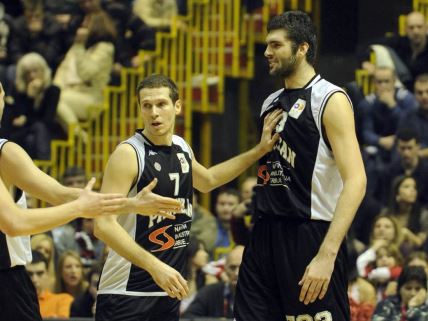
(39, 257)
(299, 28)
(407, 134)
(158, 81)
(229, 191)
(412, 273)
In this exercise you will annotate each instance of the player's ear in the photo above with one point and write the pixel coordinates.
(177, 107)
(303, 48)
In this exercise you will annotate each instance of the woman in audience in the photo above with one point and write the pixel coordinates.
(44, 244)
(29, 118)
(85, 70)
(70, 278)
(412, 220)
(409, 304)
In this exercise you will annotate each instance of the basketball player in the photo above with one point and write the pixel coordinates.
(142, 277)
(309, 188)
(18, 299)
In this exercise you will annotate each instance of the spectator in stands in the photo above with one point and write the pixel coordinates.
(29, 118)
(85, 70)
(51, 305)
(132, 35)
(83, 305)
(408, 162)
(157, 14)
(227, 200)
(70, 278)
(44, 244)
(197, 259)
(216, 300)
(418, 258)
(241, 215)
(418, 119)
(36, 31)
(382, 112)
(361, 293)
(411, 218)
(203, 223)
(409, 304)
(7, 68)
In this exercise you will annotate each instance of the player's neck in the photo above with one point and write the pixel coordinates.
(303, 74)
(162, 140)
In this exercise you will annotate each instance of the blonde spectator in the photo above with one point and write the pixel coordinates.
(157, 14)
(44, 244)
(70, 278)
(86, 69)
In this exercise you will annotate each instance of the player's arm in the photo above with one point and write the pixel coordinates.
(339, 124)
(207, 179)
(119, 176)
(16, 221)
(17, 168)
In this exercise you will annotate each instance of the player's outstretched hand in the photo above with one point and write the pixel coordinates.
(269, 136)
(316, 279)
(92, 204)
(171, 281)
(149, 203)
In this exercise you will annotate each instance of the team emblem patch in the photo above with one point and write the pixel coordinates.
(297, 108)
(183, 162)
(157, 166)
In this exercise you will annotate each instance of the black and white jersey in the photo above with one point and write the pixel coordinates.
(299, 178)
(14, 250)
(164, 238)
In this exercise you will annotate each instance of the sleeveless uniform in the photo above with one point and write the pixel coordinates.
(127, 292)
(18, 298)
(296, 194)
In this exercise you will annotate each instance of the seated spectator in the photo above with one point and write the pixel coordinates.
(361, 293)
(83, 305)
(412, 48)
(227, 200)
(242, 213)
(29, 118)
(197, 259)
(7, 68)
(85, 70)
(382, 112)
(411, 218)
(418, 119)
(44, 244)
(203, 223)
(157, 14)
(407, 162)
(216, 300)
(409, 303)
(36, 31)
(70, 278)
(51, 305)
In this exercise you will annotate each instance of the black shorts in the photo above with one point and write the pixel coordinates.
(112, 307)
(18, 297)
(273, 264)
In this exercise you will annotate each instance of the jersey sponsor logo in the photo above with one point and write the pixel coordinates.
(285, 151)
(183, 162)
(161, 233)
(263, 174)
(151, 153)
(297, 108)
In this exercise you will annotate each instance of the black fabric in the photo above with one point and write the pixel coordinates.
(274, 263)
(18, 296)
(131, 308)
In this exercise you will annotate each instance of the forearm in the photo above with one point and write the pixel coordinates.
(114, 236)
(224, 172)
(17, 221)
(348, 203)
